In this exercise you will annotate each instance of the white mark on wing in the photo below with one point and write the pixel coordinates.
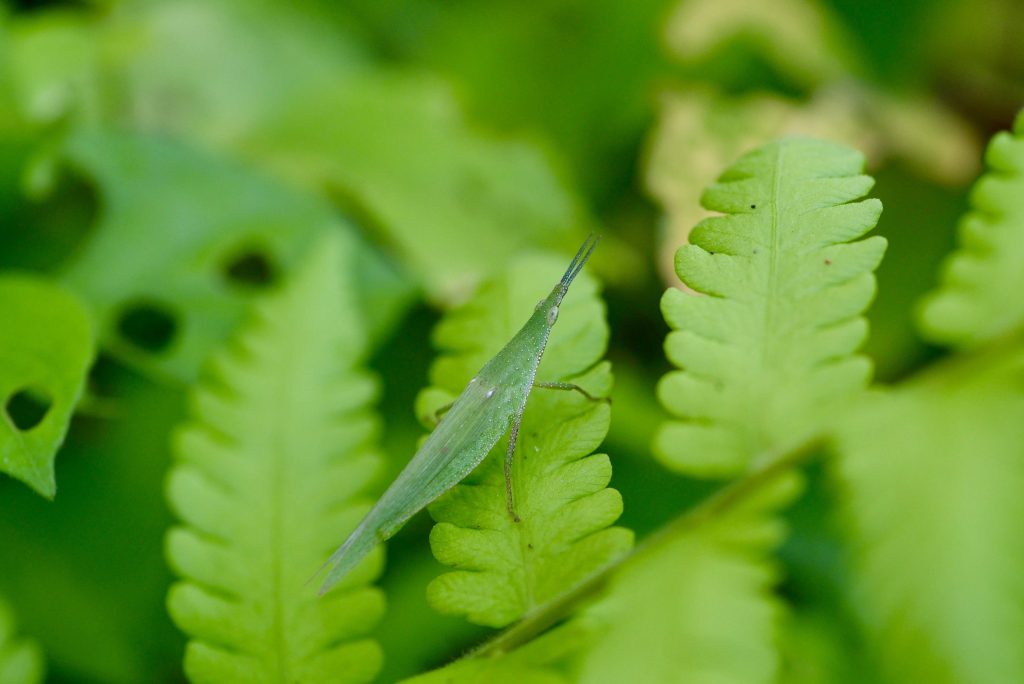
(490, 393)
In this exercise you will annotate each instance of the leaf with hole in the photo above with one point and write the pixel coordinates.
(169, 278)
(47, 348)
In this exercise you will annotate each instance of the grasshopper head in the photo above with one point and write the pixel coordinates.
(553, 300)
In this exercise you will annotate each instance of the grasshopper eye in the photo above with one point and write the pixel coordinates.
(552, 315)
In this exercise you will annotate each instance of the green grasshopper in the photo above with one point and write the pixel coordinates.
(471, 426)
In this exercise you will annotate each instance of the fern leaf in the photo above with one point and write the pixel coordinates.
(503, 671)
(21, 661)
(502, 568)
(976, 300)
(269, 476)
(47, 348)
(699, 608)
(932, 477)
(768, 353)
(695, 605)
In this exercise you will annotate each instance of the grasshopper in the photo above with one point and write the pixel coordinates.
(493, 401)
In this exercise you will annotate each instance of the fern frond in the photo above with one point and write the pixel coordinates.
(978, 299)
(47, 348)
(21, 661)
(767, 354)
(932, 478)
(503, 568)
(693, 605)
(270, 474)
(698, 608)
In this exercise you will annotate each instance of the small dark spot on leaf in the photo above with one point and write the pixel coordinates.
(251, 268)
(753, 206)
(828, 262)
(755, 250)
(529, 546)
(148, 326)
(27, 407)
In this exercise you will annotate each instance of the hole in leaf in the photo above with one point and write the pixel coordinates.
(27, 407)
(148, 326)
(251, 268)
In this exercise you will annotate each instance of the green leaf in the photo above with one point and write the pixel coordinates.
(21, 661)
(542, 660)
(504, 671)
(270, 473)
(698, 607)
(503, 568)
(977, 300)
(766, 357)
(47, 348)
(394, 147)
(695, 604)
(453, 202)
(931, 477)
(184, 240)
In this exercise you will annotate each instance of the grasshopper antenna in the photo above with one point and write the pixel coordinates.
(586, 249)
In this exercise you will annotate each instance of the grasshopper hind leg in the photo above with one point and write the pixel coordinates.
(513, 438)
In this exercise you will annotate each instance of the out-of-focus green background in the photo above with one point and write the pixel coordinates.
(169, 159)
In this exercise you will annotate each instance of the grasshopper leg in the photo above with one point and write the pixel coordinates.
(570, 386)
(512, 439)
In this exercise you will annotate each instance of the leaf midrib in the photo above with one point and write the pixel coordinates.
(773, 255)
(279, 445)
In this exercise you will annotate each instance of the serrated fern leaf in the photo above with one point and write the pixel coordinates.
(503, 568)
(932, 477)
(978, 299)
(21, 661)
(696, 604)
(698, 608)
(269, 475)
(767, 354)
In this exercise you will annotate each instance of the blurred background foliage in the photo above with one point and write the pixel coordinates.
(166, 160)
